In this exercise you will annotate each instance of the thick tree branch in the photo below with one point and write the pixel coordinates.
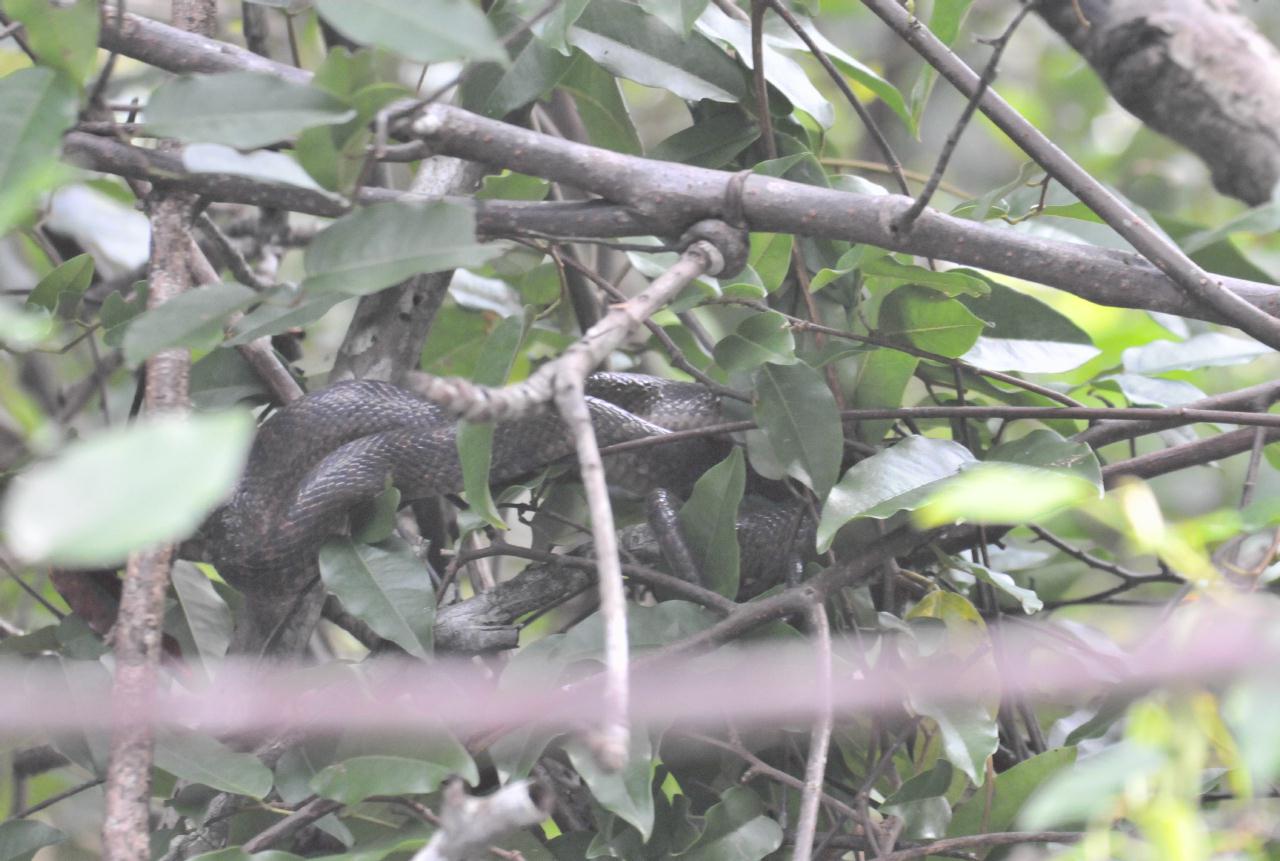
(1195, 70)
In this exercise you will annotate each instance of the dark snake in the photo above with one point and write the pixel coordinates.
(319, 457)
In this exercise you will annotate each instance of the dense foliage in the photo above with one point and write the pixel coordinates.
(294, 159)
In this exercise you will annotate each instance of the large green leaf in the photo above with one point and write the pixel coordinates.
(604, 112)
(355, 779)
(36, 107)
(20, 838)
(133, 487)
(1024, 334)
(1210, 349)
(192, 319)
(709, 521)
(449, 30)
(928, 320)
(207, 761)
(475, 439)
(385, 586)
(63, 36)
(240, 109)
(1021, 481)
(384, 244)
(738, 829)
(981, 813)
(781, 71)
(627, 793)
(896, 479)
(637, 46)
(798, 414)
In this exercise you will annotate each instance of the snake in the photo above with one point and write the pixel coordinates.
(320, 457)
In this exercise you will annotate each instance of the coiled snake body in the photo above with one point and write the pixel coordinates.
(333, 449)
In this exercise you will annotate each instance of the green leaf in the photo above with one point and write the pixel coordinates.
(60, 291)
(760, 338)
(1024, 334)
(1012, 789)
(738, 829)
(1020, 482)
(245, 110)
(496, 92)
(599, 101)
(153, 481)
(264, 165)
(944, 21)
(355, 779)
(1208, 350)
(1004, 493)
(207, 761)
(280, 313)
(784, 73)
(453, 30)
(969, 734)
(1047, 450)
(63, 36)
(336, 155)
(712, 141)
(896, 479)
(798, 414)
(475, 439)
(921, 803)
(626, 793)
(951, 283)
(384, 244)
(929, 321)
(207, 615)
(20, 838)
(639, 47)
(36, 107)
(1002, 582)
(116, 312)
(784, 39)
(709, 521)
(883, 375)
(192, 319)
(386, 587)
(1090, 789)
(1141, 390)
(679, 15)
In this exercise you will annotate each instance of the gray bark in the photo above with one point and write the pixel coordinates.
(1194, 70)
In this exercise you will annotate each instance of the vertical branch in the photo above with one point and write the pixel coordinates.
(613, 741)
(819, 740)
(761, 86)
(126, 827)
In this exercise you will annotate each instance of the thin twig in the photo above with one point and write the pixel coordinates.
(907, 218)
(892, 163)
(758, 83)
